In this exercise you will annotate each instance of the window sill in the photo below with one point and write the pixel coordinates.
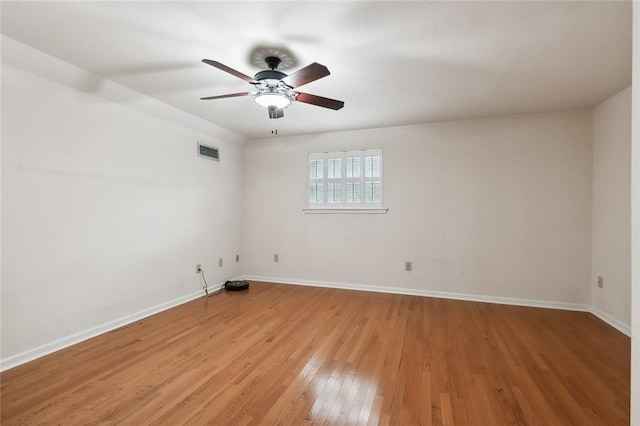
(346, 211)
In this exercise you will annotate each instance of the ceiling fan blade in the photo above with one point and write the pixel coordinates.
(275, 112)
(312, 72)
(319, 101)
(230, 95)
(231, 71)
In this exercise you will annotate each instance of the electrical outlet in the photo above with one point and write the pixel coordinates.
(220, 262)
(237, 258)
(276, 258)
(198, 268)
(408, 266)
(600, 282)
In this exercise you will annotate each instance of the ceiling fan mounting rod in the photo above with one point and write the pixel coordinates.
(272, 62)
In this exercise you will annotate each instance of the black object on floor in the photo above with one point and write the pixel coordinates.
(236, 285)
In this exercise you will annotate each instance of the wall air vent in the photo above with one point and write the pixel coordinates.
(209, 152)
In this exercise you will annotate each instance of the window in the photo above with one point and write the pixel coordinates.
(345, 180)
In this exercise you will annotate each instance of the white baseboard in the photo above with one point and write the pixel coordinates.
(46, 349)
(56, 345)
(618, 325)
(429, 293)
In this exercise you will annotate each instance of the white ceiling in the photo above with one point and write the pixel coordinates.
(391, 63)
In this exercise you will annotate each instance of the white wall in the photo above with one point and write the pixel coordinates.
(105, 212)
(495, 207)
(611, 228)
(635, 222)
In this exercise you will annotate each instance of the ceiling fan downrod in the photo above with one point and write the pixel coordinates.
(272, 62)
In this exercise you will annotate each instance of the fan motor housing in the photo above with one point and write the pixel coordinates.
(269, 75)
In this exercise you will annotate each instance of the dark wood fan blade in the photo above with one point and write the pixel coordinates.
(310, 73)
(230, 95)
(275, 112)
(319, 101)
(231, 71)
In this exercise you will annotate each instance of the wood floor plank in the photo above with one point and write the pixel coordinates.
(283, 354)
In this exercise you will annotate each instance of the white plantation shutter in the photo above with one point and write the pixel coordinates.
(316, 180)
(353, 177)
(334, 180)
(349, 179)
(372, 177)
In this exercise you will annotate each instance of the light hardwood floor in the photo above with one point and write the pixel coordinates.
(282, 354)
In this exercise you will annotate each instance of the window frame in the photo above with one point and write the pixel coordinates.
(344, 206)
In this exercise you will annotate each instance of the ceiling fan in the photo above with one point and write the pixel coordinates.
(275, 89)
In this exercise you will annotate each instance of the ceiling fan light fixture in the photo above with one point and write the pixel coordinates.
(271, 99)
